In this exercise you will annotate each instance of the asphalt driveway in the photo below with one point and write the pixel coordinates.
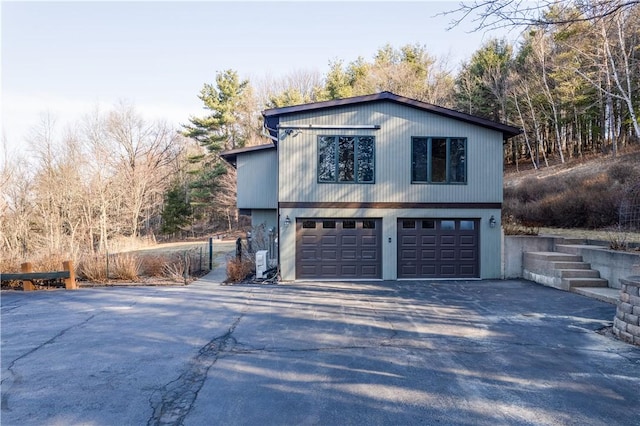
(383, 353)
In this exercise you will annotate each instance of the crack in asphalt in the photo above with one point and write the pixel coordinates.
(16, 378)
(171, 403)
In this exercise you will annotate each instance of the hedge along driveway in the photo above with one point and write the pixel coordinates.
(481, 352)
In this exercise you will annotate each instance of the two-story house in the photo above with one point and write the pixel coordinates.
(377, 187)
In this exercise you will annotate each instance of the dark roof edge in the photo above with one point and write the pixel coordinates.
(507, 131)
(232, 155)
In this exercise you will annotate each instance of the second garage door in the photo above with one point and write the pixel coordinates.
(338, 248)
(438, 248)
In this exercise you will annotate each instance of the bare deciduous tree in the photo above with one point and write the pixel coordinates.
(493, 14)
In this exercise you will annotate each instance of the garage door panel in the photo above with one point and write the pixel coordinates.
(329, 254)
(328, 270)
(348, 240)
(308, 254)
(338, 248)
(446, 248)
(428, 240)
(309, 239)
(467, 270)
(371, 240)
(329, 240)
(409, 254)
(428, 270)
(448, 270)
(447, 254)
(409, 270)
(369, 254)
(447, 240)
(348, 254)
(427, 255)
(348, 271)
(468, 240)
(309, 270)
(467, 254)
(370, 271)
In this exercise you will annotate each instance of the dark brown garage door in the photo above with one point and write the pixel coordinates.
(338, 248)
(438, 248)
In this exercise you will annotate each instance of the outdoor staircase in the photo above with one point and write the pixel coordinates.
(564, 269)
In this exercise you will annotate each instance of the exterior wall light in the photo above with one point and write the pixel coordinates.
(287, 221)
(492, 221)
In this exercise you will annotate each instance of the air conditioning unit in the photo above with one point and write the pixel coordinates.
(261, 263)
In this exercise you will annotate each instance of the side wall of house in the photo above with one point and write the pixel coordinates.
(398, 124)
(264, 218)
(258, 180)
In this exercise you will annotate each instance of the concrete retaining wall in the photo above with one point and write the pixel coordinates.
(611, 264)
(515, 245)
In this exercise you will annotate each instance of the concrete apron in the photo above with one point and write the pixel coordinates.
(482, 352)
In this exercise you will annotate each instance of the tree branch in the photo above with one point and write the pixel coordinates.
(496, 14)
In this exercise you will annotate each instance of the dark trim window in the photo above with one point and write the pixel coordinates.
(348, 159)
(438, 160)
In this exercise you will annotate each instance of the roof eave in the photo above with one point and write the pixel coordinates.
(272, 116)
(231, 156)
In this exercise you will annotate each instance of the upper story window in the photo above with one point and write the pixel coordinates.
(438, 160)
(346, 159)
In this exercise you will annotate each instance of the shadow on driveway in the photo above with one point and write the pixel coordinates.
(466, 353)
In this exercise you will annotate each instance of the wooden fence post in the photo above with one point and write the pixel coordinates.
(69, 283)
(27, 268)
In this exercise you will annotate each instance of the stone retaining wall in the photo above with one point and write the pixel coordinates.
(626, 324)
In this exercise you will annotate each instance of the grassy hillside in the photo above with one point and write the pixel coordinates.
(583, 193)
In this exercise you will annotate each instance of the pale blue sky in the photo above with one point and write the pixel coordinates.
(65, 58)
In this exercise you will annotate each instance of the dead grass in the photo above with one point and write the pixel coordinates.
(93, 268)
(175, 271)
(153, 265)
(600, 235)
(125, 267)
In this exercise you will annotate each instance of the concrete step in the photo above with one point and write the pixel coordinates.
(550, 256)
(609, 295)
(574, 248)
(570, 265)
(571, 283)
(578, 273)
(572, 241)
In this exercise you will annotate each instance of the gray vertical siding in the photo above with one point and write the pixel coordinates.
(258, 180)
(264, 218)
(297, 152)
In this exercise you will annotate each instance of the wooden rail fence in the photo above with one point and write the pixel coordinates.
(30, 279)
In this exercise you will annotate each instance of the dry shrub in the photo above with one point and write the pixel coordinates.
(49, 263)
(93, 268)
(623, 173)
(154, 265)
(512, 227)
(174, 271)
(618, 239)
(532, 189)
(591, 202)
(9, 264)
(125, 267)
(239, 269)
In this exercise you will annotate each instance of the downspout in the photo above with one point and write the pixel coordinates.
(275, 140)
